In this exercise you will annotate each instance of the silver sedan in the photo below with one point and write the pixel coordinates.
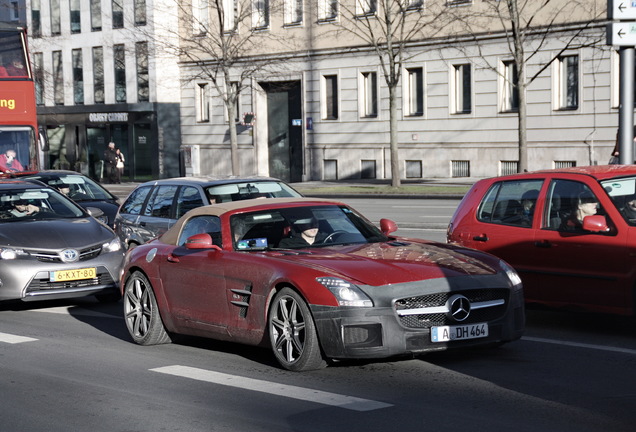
(51, 248)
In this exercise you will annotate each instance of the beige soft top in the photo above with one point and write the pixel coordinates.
(171, 236)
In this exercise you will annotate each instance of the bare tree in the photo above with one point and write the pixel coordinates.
(391, 28)
(528, 26)
(220, 41)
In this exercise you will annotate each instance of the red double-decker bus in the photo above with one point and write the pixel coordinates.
(19, 150)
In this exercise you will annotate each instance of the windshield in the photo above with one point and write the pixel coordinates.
(302, 227)
(76, 187)
(622, 191)
(40, 203)
(249, 190)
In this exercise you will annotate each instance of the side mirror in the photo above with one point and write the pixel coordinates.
(595, 223)
(387, 226)
(200, 241)
(95, 212)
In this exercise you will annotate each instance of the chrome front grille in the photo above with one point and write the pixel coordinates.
(49, 256)
(493, 304)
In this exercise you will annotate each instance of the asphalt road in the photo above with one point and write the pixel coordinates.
(72, 367)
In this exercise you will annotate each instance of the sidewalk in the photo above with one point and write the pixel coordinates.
(452, 188)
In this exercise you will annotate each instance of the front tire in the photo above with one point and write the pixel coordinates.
(142, 313)
(292, 333)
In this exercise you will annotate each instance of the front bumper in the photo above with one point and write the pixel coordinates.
(350, 333)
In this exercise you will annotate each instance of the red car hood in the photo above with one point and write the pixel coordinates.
(392, 262)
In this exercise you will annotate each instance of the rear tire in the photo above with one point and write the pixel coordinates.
(142, 313)
(292, 333)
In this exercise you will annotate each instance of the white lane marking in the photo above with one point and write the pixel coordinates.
(581, 345)
(13, 339)
(300, 393)
(66, 310)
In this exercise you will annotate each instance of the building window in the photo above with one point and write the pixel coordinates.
(58, 78)
(143, 78)
(367, 169)
(203, 102)
(140, 12)
(56, 28)
(415, 4)
(200, 17)
(78, 77)
(119, 57)
(366, 7)
(14, 13)
(260, 14)
(118, 14)
(508, 167)
(568, 84)
(38, 77)
(96, 15)
(414, 96)
(413, 169)
(76, 25)
(462, 88)
(460, 168)
(327, 10)
(509, 89)
(36, 23)
(368, 94)
(458, 2)
(98, 74)
(330, 97)
(293, 12)
(330, 169)
(563, 164)
(229, 15)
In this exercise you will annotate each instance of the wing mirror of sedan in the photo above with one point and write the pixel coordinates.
(95, 212)
(387, 226)
(595, 223)
(201, 241)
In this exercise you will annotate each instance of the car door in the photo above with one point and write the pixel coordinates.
(193, 279)
(505, 220)
(127, 219)
(157, 216)
(574, 266)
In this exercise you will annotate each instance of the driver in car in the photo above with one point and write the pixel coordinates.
(304, 233)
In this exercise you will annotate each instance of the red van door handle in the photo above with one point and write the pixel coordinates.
(481, 238)
(543, 244)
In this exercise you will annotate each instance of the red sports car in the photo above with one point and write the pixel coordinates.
(316, 281)
(570, 233)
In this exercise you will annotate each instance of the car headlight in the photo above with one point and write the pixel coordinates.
(513, 276)
(346, 293)
(113, 246)
(9, 253)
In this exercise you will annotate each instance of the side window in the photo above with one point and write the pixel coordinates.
(135, 201)
(161, 201)
(188, 198)
(510, 203)
(567, 203)
(199, 225)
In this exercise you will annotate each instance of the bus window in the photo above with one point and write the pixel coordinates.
(12, 55)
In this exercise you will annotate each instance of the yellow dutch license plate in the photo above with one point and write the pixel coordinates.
(69, 275)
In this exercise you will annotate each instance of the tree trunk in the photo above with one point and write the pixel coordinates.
(521, 132)
(393, 126)
(234, 155)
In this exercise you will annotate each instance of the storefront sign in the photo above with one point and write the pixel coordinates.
(108, 117)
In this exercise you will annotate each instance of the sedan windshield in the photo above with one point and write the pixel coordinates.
(249, 190)
(29, 204)
(302, 227)
(77, 187)
(622, 191)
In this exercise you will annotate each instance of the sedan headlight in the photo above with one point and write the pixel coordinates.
(9, 253)
(514, 278)
(113, 246)
(346, 293)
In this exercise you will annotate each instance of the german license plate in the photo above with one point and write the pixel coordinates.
(69, 275)
(461, 332)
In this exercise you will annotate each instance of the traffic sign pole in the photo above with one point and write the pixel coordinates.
(626, 108)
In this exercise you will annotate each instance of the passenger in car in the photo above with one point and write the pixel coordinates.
(629, 210)
(528, 202)
(585, 205)
(23, 208)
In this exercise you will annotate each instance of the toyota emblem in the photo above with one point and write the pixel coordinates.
(69, 255)
(458, 307)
